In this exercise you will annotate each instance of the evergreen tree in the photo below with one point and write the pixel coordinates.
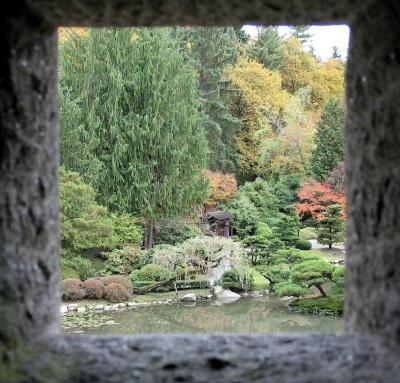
(302, 33)
(210, 50)
(329, 139)
(140, 111)
(242, 35)
(335, 53)
(330, 229)
(267, 49)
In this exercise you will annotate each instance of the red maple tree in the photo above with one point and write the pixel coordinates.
(314, 197)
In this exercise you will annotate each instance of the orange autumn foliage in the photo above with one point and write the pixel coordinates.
(223, 187)
(314, 197)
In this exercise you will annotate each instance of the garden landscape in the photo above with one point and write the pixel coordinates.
(201, 181)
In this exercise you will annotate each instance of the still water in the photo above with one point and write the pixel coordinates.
(246, 315)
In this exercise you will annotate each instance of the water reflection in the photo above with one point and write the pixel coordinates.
(246, 315)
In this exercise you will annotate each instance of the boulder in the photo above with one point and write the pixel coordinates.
(72, 307)
(99, 307)
(81, 310)
(63, 310)
(189, 298)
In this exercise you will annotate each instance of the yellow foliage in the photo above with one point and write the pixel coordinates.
(65, 32)
(329, 81)
(260, 94)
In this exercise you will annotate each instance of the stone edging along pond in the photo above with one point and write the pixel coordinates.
(74, 308)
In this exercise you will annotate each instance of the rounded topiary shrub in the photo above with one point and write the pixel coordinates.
(116, 293)
(151, 272)
(123, 281)
(94, 288)
(72, 290)
(303, 244)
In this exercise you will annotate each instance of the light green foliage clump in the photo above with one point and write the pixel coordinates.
(127, 229)
(338, 278)
(84, 223)
(151, 272)
(122, 260)
(200, 254)
(308, 233)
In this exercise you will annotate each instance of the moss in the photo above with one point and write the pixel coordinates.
(332, 305)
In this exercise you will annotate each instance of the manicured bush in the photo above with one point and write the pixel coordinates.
(72, 290)
(115, 293)
(151, 272)
(83, 266)
(122, 261)
(94, 288)
(235, 281)
(303, 244)
(338, 279)
(119, 279)
(332, 305)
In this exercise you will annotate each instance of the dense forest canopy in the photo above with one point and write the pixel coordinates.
(145, 111)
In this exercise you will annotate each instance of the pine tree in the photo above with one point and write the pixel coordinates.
(335, 53)
(140, 111)
(302, 33)
(330, 229)
(210, 50)
(329, 139)
(267, 49)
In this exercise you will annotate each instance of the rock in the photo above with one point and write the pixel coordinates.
(209, 296)
(81, 310)
(286, 298)
(63, 309)
(122, 305)
(107, 308)
(131, 304)
(189, 298)
(257, 294)
(115, 306)
(221, 293)
(72, 307)
(99, 307)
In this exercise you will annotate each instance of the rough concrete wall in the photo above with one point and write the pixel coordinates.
(29, 269)
(373, 173)
(260, 358)
(196, 12)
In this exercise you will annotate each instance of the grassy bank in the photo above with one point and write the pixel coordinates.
(331, 305)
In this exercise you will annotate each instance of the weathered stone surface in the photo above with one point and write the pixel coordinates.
(373, 173)
(195, 12)
(254, 358)
(29, 263)
(29, 278)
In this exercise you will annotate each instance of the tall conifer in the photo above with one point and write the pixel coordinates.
(140, 114)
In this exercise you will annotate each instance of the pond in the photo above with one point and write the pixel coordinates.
(246, 315)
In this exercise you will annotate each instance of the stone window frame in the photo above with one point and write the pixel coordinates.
(32, 344)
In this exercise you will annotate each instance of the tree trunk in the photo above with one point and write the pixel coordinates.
(149, 234)
(147, 289)
(321, 290)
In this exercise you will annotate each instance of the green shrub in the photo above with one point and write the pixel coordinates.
(83, 266)
(174, 234)
(94, 288)
(235, 281)
(338, 278)
(119, 279)
(287, 288)
(68, 272)
(122, 261)
(151, 272)
(308, 233)
(127, 229)
(303, 244)
(332, 305)
(115, 293)
(72, 290)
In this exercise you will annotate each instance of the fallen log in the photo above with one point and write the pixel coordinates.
(147, 289)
